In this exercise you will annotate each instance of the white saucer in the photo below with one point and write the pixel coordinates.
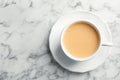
(63, 60)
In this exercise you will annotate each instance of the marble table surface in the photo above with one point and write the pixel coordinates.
(24, 32)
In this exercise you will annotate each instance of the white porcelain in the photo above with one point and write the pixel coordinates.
(68, 63)
(102, 42)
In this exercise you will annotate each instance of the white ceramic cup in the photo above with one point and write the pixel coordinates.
(101, 43)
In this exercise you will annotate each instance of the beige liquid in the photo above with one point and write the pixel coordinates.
(81, 40)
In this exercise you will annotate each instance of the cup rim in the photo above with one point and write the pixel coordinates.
(80, 59)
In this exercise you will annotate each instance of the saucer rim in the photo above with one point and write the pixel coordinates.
(107, 29)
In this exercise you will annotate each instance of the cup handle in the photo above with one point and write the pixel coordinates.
(107, 44)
